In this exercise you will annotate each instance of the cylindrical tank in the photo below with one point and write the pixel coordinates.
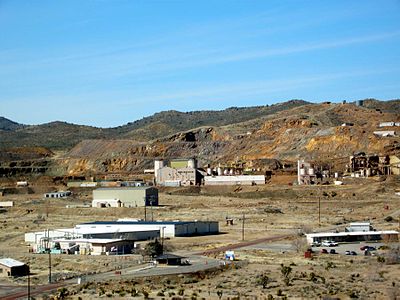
(219, 171)
(209, 171)
(226, 171)
(158, 164)
(336, 175)
(368, 172)
(311, 171)
(302, 172)
(192, 163)
(231, 172)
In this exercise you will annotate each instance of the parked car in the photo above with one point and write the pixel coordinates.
(368, 248)
(353, 253)
(324, 251)
(347, 252)
(332, 251)
(315, 244)
(329, 243)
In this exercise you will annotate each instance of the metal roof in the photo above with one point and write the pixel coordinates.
(10, 262)
(138, 223)
(331, 234)
(126, 188)
(92, 241)
(169, 256)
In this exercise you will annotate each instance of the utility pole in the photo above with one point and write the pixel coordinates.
(243, 218)
(319, 211)
(49, 265)
(145, 209)
(151, 207)
(162, 240)
(29, 283)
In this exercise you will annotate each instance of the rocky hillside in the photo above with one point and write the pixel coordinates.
(313, 132)
(265, 138)
(62, 135)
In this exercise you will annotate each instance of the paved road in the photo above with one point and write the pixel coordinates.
(199, 262)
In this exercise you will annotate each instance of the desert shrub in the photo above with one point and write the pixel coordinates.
(160, 294)
(389, 219)
(220, 293)
(286, 274)
(380, 259)
(263, 280)
(181, 291)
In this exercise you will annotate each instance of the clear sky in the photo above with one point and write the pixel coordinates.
(106, 63)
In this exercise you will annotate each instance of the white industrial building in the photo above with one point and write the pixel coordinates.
(359, 231)
(166, 228)
(305, 173)
(179, 172)
(123, 233)
(351, 236)
(125, 197)
(385, 133)
(94, 246)
(60, 194)
(234, 180)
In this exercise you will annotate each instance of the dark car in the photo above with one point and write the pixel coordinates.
(332, 251)
(324, 251)
(366, 247)
(353, 253)
(347, 252)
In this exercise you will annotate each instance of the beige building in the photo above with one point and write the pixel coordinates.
(177, 176)
(12, 267)
(125, 197)
(394, 165)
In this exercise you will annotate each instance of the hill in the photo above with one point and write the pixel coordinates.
(8, 125)
(254, 137)
(63, 136)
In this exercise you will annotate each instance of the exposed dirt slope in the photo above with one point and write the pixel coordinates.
(313, 132)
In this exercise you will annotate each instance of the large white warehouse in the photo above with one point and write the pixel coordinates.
(166, 228)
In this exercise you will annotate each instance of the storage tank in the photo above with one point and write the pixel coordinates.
(192, 163)
(231, 172)
(368, 172)
(226, 171)
(209, 171)
(302, 172)
(219, 171)
(336, 175)
(158, 164)
(311, 171)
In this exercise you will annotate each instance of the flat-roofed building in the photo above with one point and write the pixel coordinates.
(353, 236)
(125, 197)
(234, 180)
(166, 228)
(11, 267)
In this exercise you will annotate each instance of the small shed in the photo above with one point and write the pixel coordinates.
(169, 259)
(12, 267)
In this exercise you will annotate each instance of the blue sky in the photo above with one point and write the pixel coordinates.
(106, 63)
